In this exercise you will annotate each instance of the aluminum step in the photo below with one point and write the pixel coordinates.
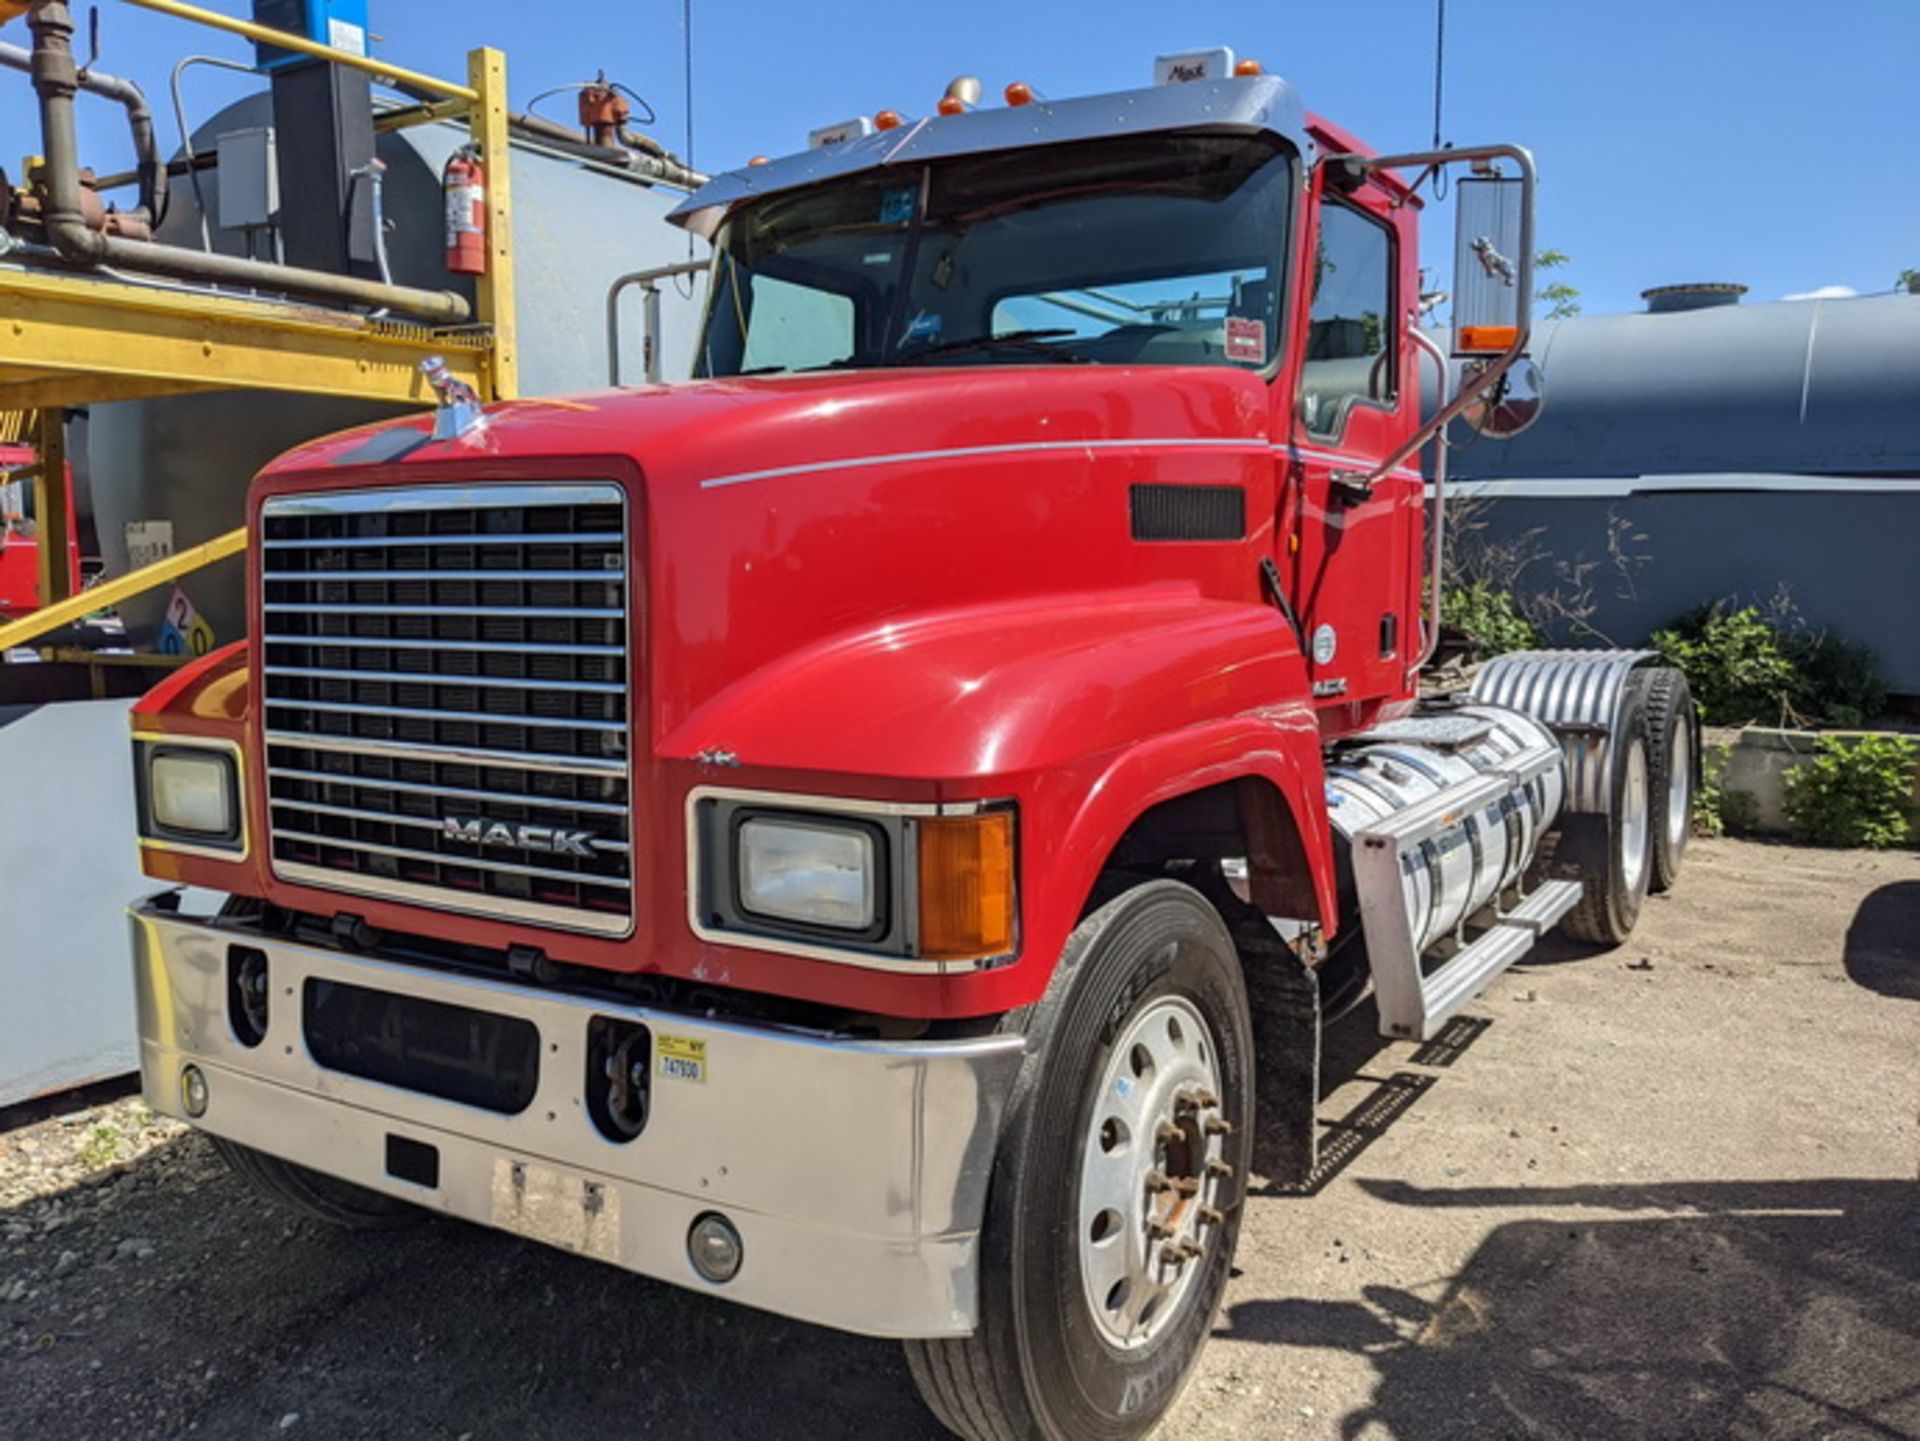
(1466, 974)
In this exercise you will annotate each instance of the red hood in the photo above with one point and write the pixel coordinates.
(783, 513)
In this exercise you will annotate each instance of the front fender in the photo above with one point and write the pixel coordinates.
(990, 692)
(1086, 709)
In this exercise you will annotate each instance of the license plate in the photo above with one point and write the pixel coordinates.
(557, 1207)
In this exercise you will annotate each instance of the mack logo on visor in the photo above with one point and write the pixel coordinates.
(555, 840)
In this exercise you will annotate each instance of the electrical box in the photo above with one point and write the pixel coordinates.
(249, 179)
(339, 23)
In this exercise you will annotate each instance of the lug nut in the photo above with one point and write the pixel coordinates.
(1211, 1216)
(1219, 1169)
(1169, 1134)
(1158, 1183)
(1187, 1186)
(1158, 1231)
(1217, 1127)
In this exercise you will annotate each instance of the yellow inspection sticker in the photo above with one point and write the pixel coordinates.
(682, 1058)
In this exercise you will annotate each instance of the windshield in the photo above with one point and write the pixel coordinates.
(1161, 250)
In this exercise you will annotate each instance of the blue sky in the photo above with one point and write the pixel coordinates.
(1770, 142)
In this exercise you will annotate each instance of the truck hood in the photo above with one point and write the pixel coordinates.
(782, 514)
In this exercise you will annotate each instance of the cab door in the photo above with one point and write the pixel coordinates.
(1348, 546)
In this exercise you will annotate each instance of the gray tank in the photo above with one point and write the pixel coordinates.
(1735, 452)
(188, 459)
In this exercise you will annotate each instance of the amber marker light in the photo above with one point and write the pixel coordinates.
(1488, 339)
(952, 105)
(1019, 93)
(757, 160)
(966, 886)
(887, 120)
(1246, 68)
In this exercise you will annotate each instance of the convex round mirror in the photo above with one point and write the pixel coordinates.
(1512, 404)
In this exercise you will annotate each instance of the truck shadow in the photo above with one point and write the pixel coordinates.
(1351, 1049)
(1760, 1308)
(1883, 941)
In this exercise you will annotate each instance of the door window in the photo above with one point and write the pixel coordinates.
(1350, 332)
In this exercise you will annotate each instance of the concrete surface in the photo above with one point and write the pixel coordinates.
(1666, 1191)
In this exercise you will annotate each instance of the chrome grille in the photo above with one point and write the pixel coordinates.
(437, 657)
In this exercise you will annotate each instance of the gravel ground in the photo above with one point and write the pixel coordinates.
(1665, 1191)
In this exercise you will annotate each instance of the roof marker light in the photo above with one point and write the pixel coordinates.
(757, 160)
(1019, 93)
(952, 105)
(887, 120)
(1245, 68)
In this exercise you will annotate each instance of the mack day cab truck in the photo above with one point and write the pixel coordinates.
(856, 833)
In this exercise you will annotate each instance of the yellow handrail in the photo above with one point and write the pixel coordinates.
(54, 616)
(268, 35)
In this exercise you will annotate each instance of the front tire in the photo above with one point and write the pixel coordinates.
(1115, 1203)
(320, 1198)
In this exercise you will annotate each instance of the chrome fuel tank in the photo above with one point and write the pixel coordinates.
(1464, 865)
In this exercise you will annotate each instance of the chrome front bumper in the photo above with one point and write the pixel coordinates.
(855, 1171)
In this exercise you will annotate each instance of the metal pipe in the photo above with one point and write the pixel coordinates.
(650, 281)
(1437, 532)
(186, 135)
(151, 170)
(379, 69)
(55, 80)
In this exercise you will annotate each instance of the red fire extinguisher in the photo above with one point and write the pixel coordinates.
(464, 184)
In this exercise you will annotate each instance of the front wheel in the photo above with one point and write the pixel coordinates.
(1116, 1195)
(310, 1194)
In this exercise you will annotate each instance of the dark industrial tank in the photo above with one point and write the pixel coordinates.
(1710, 450)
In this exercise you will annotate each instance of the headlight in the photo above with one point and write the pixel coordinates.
(189, 794)
(900, 886)
(817, 875)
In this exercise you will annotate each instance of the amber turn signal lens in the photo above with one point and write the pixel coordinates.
(966, 886)
(1488, 338)
(887, 120)
(1019, 93)
(952, 105)
(1245, 68)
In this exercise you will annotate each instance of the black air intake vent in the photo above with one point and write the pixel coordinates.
(1189, 512)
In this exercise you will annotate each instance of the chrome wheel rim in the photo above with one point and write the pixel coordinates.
(1153, 1173)
(1633, 817)
(1679, 788)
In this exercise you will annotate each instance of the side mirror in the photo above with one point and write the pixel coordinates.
(1492, 267)
(1510, 404)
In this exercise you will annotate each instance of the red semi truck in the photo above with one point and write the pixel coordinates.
(875, 833)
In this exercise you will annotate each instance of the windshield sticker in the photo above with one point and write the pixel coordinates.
(896, 206)
(1246, 339)
(924, 326)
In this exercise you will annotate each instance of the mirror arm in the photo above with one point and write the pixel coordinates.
(1437, 531)
(1486, 379)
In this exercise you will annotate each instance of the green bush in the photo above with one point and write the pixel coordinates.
(1839, 681)
(1853, 791)
(1735, 665)
(1488, 616)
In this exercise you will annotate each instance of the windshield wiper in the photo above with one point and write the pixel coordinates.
(1038, 341)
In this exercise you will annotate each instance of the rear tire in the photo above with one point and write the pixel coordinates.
(1087, 1332)
(317, 1197)
(1612, 854)
(1672, 770)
